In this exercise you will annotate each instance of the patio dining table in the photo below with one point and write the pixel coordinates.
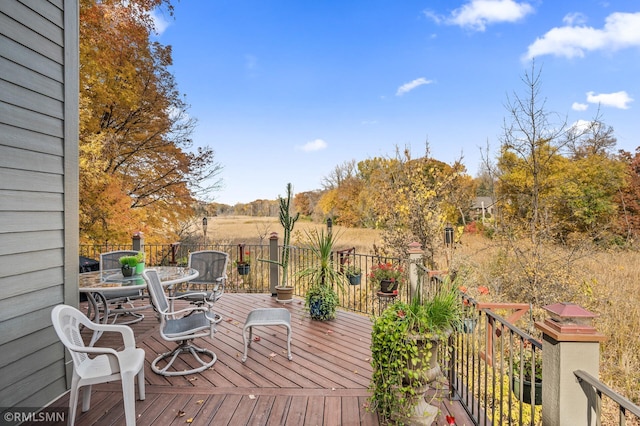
(102, 287)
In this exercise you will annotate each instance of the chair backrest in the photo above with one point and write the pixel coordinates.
(111, 260)
(66, 321)
(210, 264)
(154, 287)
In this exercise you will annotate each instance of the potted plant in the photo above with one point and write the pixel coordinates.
(404, 348)
(128, 264)
(243, 263)
(523, 368)
(140, 258)
(353, 274)
(284, 291)
(321, 298)
(387, 275)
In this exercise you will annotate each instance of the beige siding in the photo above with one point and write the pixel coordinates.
(38, 194)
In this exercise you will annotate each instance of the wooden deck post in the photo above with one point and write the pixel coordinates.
(274, 268)
(569, 343)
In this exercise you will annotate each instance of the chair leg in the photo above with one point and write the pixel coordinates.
(86, 398)
(73, 400)
(141, 391)
(129, 398)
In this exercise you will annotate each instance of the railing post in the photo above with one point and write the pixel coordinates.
(569, 343)
(274, 268)
(415, 258)
(138, 241)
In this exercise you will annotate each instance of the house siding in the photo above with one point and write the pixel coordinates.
(38, 194)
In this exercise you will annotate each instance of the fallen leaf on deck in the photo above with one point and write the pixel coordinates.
(190, 420)
(180, 413)
(229, 319)
(191, 379)
(252, 397)
(256, 339)
(200, 401)
(329, 331)
(272, 354)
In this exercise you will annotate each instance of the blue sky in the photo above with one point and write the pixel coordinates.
(285, 90)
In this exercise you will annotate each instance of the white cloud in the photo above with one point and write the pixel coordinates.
(577, 106)
(477, 14)
(616, 100)
(407, 87)
(314, 145)
(575, 18)
(581, 126)
(159, 22)
(621, 30)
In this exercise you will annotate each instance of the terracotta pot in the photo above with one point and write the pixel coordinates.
(284, 294)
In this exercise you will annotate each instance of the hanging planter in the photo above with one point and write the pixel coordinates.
(526, 391)
(243, 264)
(353, 274)
(243, 269)
(355, 279)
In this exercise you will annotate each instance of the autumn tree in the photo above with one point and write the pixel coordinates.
(428, 195)
(628, 198)
(138, 167)
(554, 181)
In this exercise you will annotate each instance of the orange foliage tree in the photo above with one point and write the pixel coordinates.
(138, 168)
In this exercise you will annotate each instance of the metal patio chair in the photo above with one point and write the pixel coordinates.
(182, 326)
(212, 268)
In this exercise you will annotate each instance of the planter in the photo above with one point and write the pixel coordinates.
(139, 268)
(469, 324)
(284, 294)
(244, 269)
(423, 412)
(388, 286)
(319, 312)
(355, 279)
(127, 271)
(526, 391)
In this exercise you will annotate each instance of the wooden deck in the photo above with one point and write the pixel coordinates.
(325, 383)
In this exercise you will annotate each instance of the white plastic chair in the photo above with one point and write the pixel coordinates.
(181, 326)
(93, 365)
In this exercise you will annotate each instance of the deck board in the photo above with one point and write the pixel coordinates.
(326, 383)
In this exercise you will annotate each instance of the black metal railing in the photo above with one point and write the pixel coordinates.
(594, 389)
(360, 298)
(491, 366)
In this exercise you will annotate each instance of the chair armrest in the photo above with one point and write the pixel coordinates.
(126, 332)
(190, 309)
(188, 294)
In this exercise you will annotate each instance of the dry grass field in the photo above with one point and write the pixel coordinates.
(608, 285)
(256, 230)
